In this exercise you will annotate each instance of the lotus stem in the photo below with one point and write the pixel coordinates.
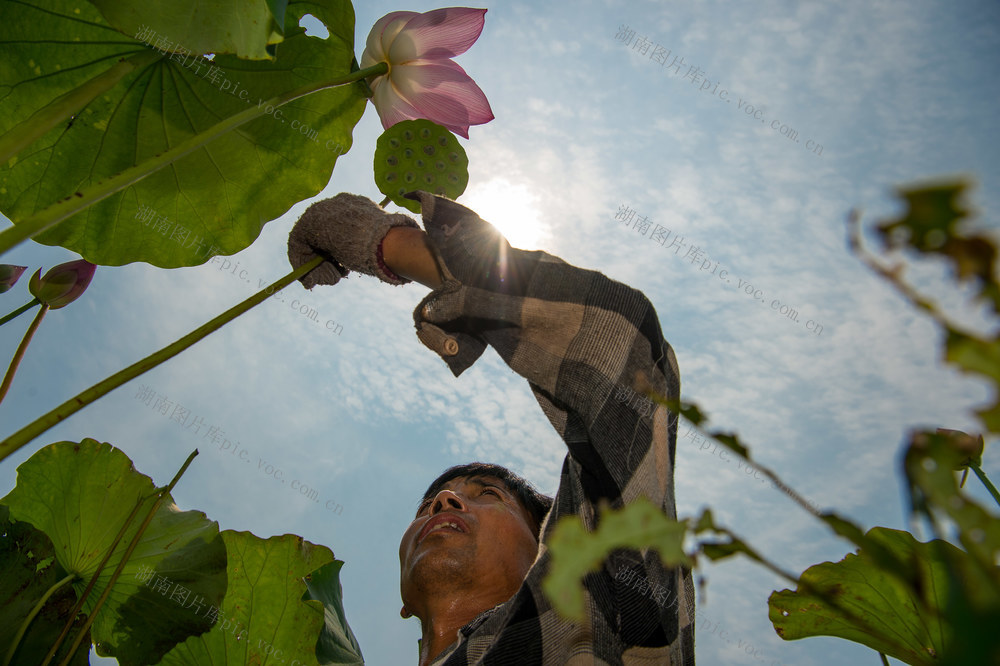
(84, 398)
(19, 354)
(986, 481)
(21, 310)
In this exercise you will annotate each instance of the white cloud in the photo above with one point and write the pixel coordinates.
(584, 126)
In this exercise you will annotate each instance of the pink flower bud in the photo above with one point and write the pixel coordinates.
(9, 275)
(63, 284)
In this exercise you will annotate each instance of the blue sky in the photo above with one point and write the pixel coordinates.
(586, 126)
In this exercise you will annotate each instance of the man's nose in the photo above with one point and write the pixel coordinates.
(446, 499)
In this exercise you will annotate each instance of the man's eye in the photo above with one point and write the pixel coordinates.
(496, 492)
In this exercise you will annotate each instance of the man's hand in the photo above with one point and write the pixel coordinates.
(346, 231)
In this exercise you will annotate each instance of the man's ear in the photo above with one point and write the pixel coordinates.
(403, 613)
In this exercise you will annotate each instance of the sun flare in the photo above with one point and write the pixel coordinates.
(510, 207)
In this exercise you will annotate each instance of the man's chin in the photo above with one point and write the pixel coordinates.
(441, 566)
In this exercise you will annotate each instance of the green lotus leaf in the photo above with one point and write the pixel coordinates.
(214, 200)
(929, 462)
(934, 212)
(914, 623)
(337, 644)
(27, 561)
(264, 617)
(577, 551)
(242, 27)
(419, 155)
(936, 221)
(79, 495)
(979, 356)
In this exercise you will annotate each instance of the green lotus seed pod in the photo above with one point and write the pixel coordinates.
(417, 154)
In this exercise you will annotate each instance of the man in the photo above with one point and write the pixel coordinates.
(472, 560)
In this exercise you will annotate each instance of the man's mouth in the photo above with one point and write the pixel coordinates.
(443, 522)
(444, 526)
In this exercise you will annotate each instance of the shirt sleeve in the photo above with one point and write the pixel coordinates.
(587, 345)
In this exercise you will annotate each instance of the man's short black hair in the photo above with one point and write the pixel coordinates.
(536, 504)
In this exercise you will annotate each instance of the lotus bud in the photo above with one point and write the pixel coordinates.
(9, 275)
(63, 284)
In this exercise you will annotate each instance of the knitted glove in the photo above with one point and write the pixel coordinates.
(347, 231)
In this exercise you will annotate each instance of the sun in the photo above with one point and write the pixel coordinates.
(511, 208)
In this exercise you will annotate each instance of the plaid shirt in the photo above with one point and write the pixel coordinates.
(581, 340)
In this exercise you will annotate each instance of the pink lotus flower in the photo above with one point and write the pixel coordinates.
(9, 275)
(423, 81)
(63, 284)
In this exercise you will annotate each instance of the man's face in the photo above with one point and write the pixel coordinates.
(473, 535)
